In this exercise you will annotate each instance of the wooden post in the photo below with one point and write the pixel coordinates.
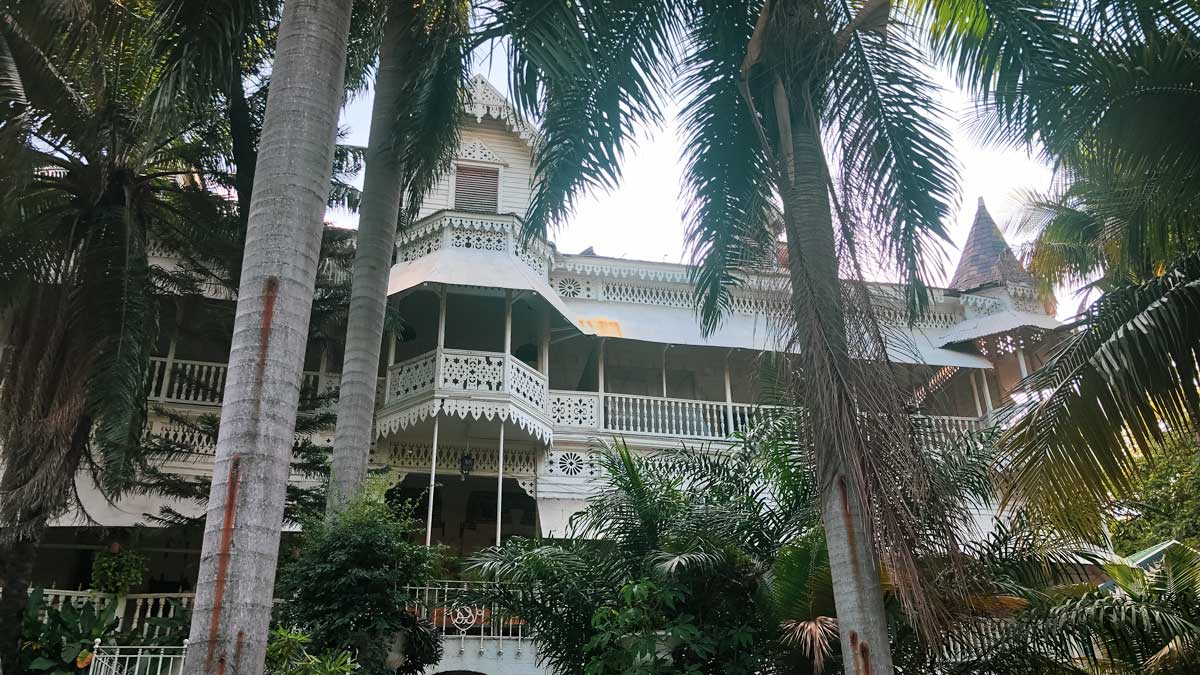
(600, 385)
(1021, 363)
(500, 484)
(441, 341)
(321, 368)
(544, 346)
(728, 396)
(663, 363)
(391, 338)
(987, 392)
(168, 368)
(975, 391)
(432, 484)
(508, 302)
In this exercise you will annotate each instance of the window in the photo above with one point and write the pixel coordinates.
(476, 188)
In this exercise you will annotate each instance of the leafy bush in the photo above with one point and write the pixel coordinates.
(63, 642)
(117, 570)
(287, 654)
(345, 586)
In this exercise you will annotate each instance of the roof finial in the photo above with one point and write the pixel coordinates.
(981, 205)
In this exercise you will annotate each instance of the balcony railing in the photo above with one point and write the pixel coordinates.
(468, 372)
(134, 612)
(705, 420)
(485, 631)
(203, 382)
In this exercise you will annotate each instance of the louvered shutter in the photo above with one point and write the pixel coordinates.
(476, 188)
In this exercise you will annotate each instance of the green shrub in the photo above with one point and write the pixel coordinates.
(345, 586)
(287, 654)
(63, 642)
(117, 570)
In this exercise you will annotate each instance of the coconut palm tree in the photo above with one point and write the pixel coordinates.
(813, 114)
(279, 269)
(414, 131)
(1107, 92)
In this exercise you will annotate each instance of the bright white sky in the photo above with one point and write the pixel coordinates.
(642, 219)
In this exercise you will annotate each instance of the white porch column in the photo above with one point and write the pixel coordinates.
(987, 392)
(544, 345)
(322, 367)
(1021, 363)
(728, 397)
(600, 386)
(391, 338)
(600, 370)
(437, 381)
(168, 367)
(975, 391)
(432, 484)
(500, 484)
(664, 369)
(508, 299)
(441, 340)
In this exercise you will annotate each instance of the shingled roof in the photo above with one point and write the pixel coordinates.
(986, 258)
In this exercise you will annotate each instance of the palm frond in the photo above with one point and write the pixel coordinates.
(730, 205)
(893, 153)
(1123, 380)
(589, 73)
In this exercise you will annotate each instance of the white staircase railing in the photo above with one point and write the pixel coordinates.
(467, 626)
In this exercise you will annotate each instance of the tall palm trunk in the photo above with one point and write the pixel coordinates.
(16, 569)
(820, 322)
(232, 611)
(372, 261)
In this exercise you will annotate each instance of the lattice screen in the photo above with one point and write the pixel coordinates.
(476, 188)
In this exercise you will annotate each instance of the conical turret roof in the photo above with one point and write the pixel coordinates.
(987, 258)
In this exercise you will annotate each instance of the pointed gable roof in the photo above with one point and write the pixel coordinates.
(986, 258)
(484, 100)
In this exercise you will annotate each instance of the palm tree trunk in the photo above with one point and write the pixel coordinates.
(817, 302)
(234, 589)
(372, 261)
(17, 557)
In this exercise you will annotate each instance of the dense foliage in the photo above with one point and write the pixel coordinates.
(344, 586)
(117, 570)
(60, 639)
(1164, 503)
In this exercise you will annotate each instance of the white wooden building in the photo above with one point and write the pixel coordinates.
(522, 358)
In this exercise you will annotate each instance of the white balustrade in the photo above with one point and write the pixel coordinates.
(466, 371)
(946, 430)
(411, 377)
(575, 409)
(467, 625)
(526, 384)
(665, 416)
(133, 611)
(203, 382)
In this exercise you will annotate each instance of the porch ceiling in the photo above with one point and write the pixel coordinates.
(674, 325)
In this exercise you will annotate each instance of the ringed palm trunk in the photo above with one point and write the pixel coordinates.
(232, 611)
(372, 261)
(817, 301)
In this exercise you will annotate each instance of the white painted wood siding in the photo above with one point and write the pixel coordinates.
(515, 174)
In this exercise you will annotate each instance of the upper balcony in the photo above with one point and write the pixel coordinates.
(465, 383)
